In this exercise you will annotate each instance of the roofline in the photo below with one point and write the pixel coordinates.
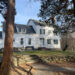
(42, 23)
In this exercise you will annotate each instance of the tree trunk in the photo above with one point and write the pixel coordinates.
(8, 45)
(74, 6)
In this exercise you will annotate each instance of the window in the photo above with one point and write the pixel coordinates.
(24, 30)
(49, 32)
(42, 41)
(48, 41)
(29, 41)
(42, 31)
(19, 29)
(22, 41)
(55, 41)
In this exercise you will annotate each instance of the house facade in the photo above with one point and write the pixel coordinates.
(35, 34)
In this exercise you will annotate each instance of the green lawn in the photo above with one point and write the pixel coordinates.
(1, 54)
(46, 53)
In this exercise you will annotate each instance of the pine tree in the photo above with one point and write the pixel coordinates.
(8, 45)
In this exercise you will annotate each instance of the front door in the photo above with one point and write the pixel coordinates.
(42, 42)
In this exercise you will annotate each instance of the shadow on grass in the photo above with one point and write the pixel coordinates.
(42, 66)
(19, 68)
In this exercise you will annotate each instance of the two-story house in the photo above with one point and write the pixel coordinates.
(35, 34)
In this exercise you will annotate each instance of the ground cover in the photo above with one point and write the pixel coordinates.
(45, 68)
(47, 53)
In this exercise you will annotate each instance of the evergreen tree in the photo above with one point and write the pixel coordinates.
(59, 8)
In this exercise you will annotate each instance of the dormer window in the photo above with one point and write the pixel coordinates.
(23, 30)
(19, 29)
(49, 32)
(42, 31)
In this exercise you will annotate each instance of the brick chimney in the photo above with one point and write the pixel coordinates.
(53, 20)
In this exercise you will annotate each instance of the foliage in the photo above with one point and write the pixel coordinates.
(51, 8)
(3, 7)
(63, 10)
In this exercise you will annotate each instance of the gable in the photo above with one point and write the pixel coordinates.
(36, 22)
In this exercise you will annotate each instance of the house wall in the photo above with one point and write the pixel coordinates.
(26, 37)
(35, 41)
(17, 40)
(46, 36)
(1, 43)
(35, 38)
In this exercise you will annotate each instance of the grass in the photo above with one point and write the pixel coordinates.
(1, 54)
(45, 53)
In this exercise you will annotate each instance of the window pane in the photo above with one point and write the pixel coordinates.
(40, 31)
(48, 41)
(42, 40)
(55, 41)
(29, 41)
(43, 31)
(22, 41)
(49, 32)
(23, 30)
(19, 29)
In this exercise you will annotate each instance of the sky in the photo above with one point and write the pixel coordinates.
(25, 9)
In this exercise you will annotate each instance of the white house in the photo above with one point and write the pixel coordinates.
(35, 34)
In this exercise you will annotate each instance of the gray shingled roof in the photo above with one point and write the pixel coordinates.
(0, 35)
(28, 29)
(38, 22)
(4, 28)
